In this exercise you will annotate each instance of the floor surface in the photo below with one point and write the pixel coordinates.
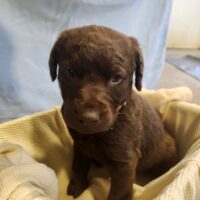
(173, 77)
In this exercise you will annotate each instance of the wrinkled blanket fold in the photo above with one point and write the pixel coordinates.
(21, 177)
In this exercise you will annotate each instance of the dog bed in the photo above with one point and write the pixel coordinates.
(45, 138)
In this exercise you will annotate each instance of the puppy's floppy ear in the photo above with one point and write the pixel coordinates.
(53, 63)
(138, 63)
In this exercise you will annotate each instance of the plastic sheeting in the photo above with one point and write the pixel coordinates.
(28, 30)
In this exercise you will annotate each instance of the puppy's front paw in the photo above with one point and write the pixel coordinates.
(76, 187)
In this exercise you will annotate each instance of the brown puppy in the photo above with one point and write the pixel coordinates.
(107, 120)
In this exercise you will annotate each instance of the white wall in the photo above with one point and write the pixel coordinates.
(184, 30)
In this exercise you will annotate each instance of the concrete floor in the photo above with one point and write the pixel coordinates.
(173, 77)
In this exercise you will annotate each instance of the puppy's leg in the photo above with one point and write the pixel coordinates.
(80, 169)
(167, 154)
(122, 179)
(162, 156)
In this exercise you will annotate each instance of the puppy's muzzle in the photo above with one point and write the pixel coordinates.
(89, 113)
(88, 117)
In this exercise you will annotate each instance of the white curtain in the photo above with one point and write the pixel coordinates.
(29, 28)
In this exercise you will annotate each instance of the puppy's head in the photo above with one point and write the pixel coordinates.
(95, 65)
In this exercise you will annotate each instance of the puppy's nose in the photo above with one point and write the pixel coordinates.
(90, 117)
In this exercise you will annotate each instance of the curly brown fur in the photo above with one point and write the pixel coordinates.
(107, 120)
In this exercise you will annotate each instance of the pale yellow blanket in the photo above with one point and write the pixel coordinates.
(45, 137)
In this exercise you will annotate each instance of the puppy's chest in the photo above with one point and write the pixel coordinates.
(89, 145)
(108, 146)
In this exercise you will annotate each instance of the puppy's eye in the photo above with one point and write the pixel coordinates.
(116, 79)
(71, 72)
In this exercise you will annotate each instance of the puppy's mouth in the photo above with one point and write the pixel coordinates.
(88, 122)
(86, 128)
